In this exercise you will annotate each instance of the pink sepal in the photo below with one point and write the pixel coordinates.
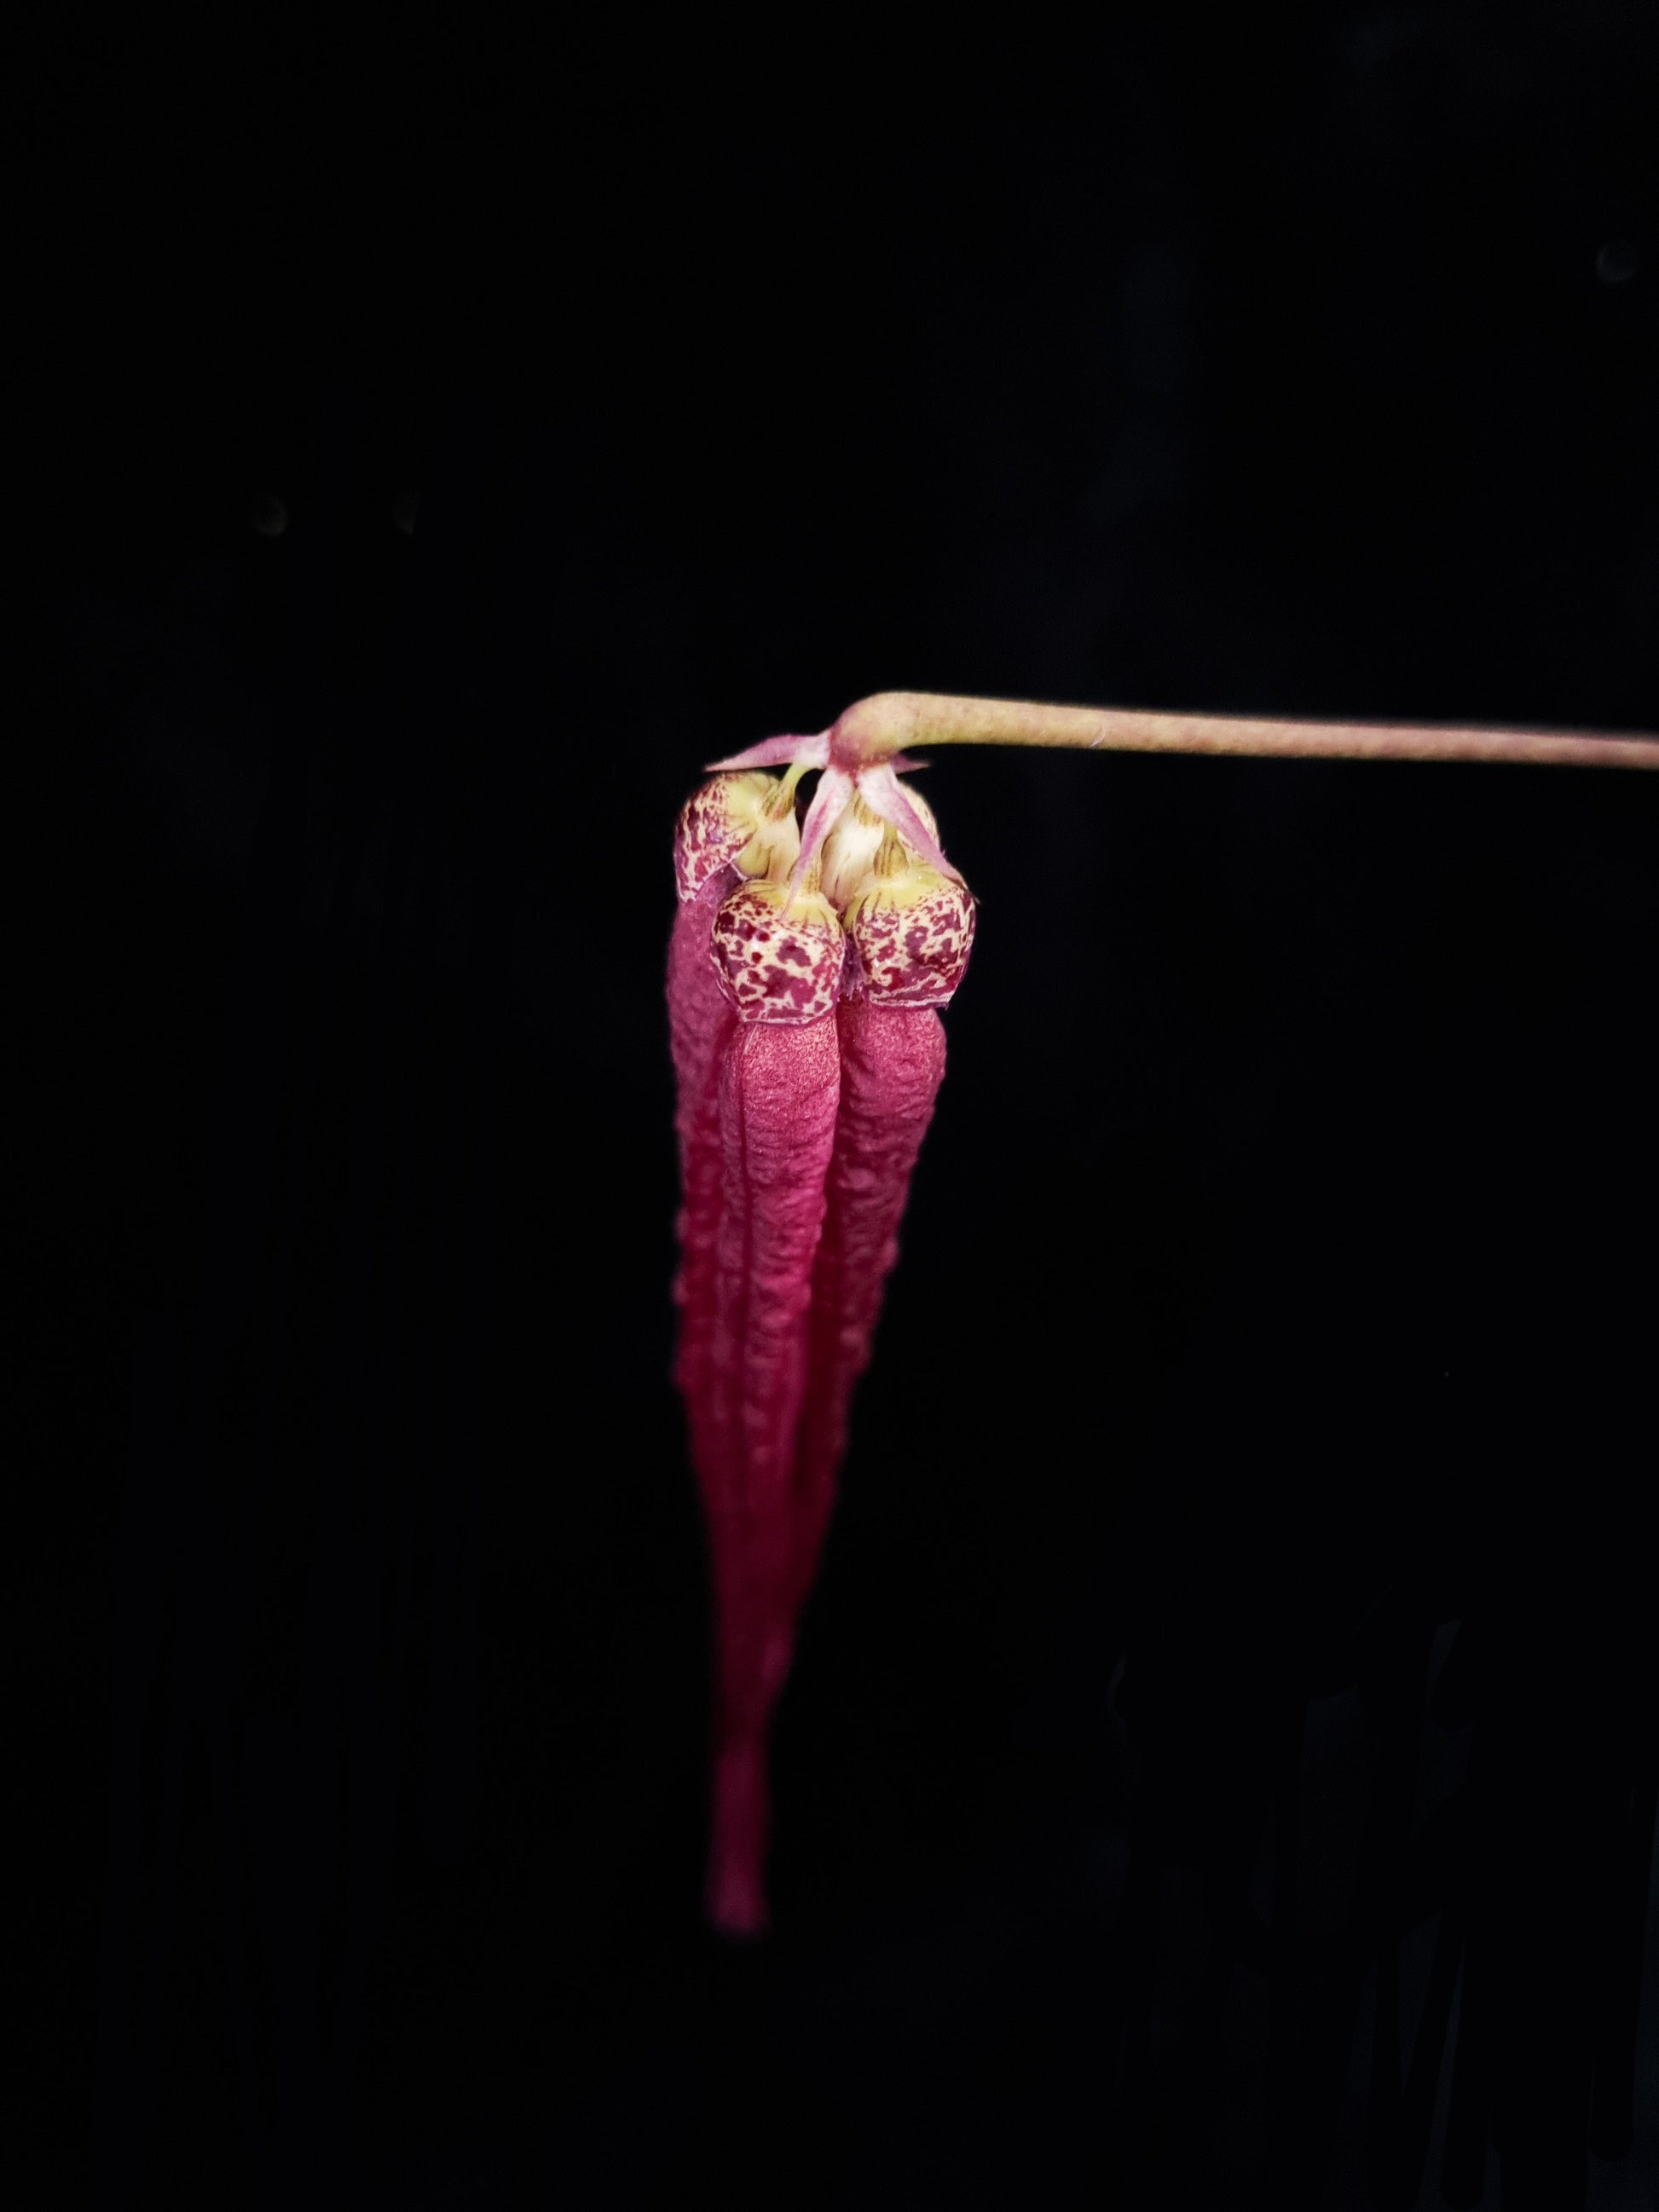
(835, 789)
(780, 752)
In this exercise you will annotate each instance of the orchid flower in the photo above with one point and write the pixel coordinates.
(806, 969)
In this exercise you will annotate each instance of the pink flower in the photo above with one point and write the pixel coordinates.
(805, 975)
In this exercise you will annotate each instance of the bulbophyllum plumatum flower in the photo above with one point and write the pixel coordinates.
(805, 974)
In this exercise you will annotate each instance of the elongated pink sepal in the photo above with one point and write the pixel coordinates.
(892, 1062)
(780, 1088)
(909, 935)
(834, 792)
(700, 1023)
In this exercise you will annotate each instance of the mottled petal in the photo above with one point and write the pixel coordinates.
(778, 959)
(911, 937)
(715, 825)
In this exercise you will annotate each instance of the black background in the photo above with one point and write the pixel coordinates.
(1276, 1306)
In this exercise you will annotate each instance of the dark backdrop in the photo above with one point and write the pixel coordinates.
(1229, 1694)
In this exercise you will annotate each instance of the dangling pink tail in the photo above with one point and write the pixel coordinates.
(780, 1086)
(892, 1062)
(701, 1023)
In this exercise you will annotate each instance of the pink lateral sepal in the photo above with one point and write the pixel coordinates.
(829, 803)
(910, 937)
(778, 959)
(781, 753)
(700, 1025)
(780, 1088)
(892, 1062)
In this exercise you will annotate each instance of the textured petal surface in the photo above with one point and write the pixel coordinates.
(780, 1088)
(808, 1055)
(892, 1062)
(700, 1024)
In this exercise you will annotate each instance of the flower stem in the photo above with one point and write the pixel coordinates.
(876, 728)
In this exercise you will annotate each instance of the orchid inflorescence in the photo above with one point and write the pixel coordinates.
(807, 965)
(805, 972)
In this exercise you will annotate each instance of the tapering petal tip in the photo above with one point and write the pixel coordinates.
(881, 793)
(834, 790)
(780, 752)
